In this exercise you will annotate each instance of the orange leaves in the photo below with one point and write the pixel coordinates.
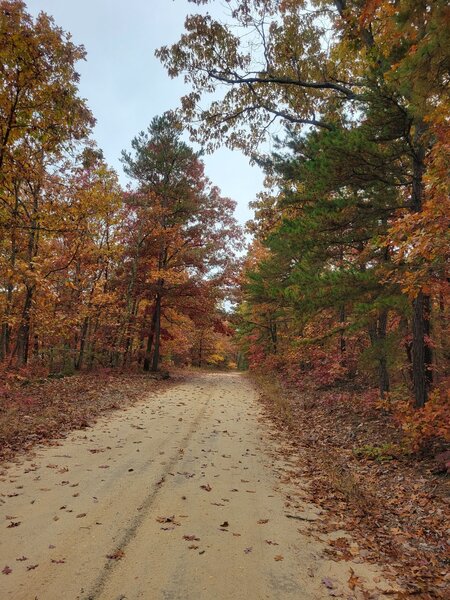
(428, 422)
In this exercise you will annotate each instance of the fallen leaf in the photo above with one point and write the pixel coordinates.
(206, 487)
(32, 567)
(6, 570)
(191, 538)
(14, 524)
(225, 524)
(117, 555)
(248, 550)
(278, 557)
(353, 580)
(262, 521)
(81, 515)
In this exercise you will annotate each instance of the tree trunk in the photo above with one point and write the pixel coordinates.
(83, 340)
(200, 351)
(23, 335)
(155, 360)
(151, 335)
(342, 342)
(422, 373)
(383, 373)
(422, 356)
(377, 334)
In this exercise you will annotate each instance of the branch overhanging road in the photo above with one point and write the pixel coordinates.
(178, 497)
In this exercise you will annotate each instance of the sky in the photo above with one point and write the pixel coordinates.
(126, 86)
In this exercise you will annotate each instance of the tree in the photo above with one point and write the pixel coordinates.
(185, 230)
(42, 118)
(384, 63)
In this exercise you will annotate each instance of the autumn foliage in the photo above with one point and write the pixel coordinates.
(92, 275)
(347, 282)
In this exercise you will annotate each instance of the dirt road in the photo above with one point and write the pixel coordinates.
(179, 497)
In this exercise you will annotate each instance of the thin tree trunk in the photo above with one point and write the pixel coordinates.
(155, 360)
(422, 356)
(422, 373)
(23, 335)
(342, 341)
(83, 340)
(377, 334)
(383, 373)
(151, 335)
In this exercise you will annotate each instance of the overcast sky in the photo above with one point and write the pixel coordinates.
(126, 86)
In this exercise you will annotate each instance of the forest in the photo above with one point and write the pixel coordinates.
(346, 277)
(92, 274)
(334, 296)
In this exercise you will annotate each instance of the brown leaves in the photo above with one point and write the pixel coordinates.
(206, 487)
(191, 538)
(170, 521)
(278, 557)
(262, 521)
(6, 570)
(14, 524)
(353, 580)
(116, 555)
(21, 424)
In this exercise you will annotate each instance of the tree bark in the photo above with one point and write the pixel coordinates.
(422, 374)
(23, 335)
(422, 356)
(377, 334)
(151, 335)
(155, 359)
(83, 340)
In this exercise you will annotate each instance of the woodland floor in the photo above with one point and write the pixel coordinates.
(122, 486)
(39, 410)
(395, 505)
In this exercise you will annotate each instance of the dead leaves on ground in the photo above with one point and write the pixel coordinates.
(62, 405)
(191, 538)
(116, 555)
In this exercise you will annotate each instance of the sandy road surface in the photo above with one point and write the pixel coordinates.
(182, 492)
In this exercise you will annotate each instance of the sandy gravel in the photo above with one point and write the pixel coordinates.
(179, 497)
